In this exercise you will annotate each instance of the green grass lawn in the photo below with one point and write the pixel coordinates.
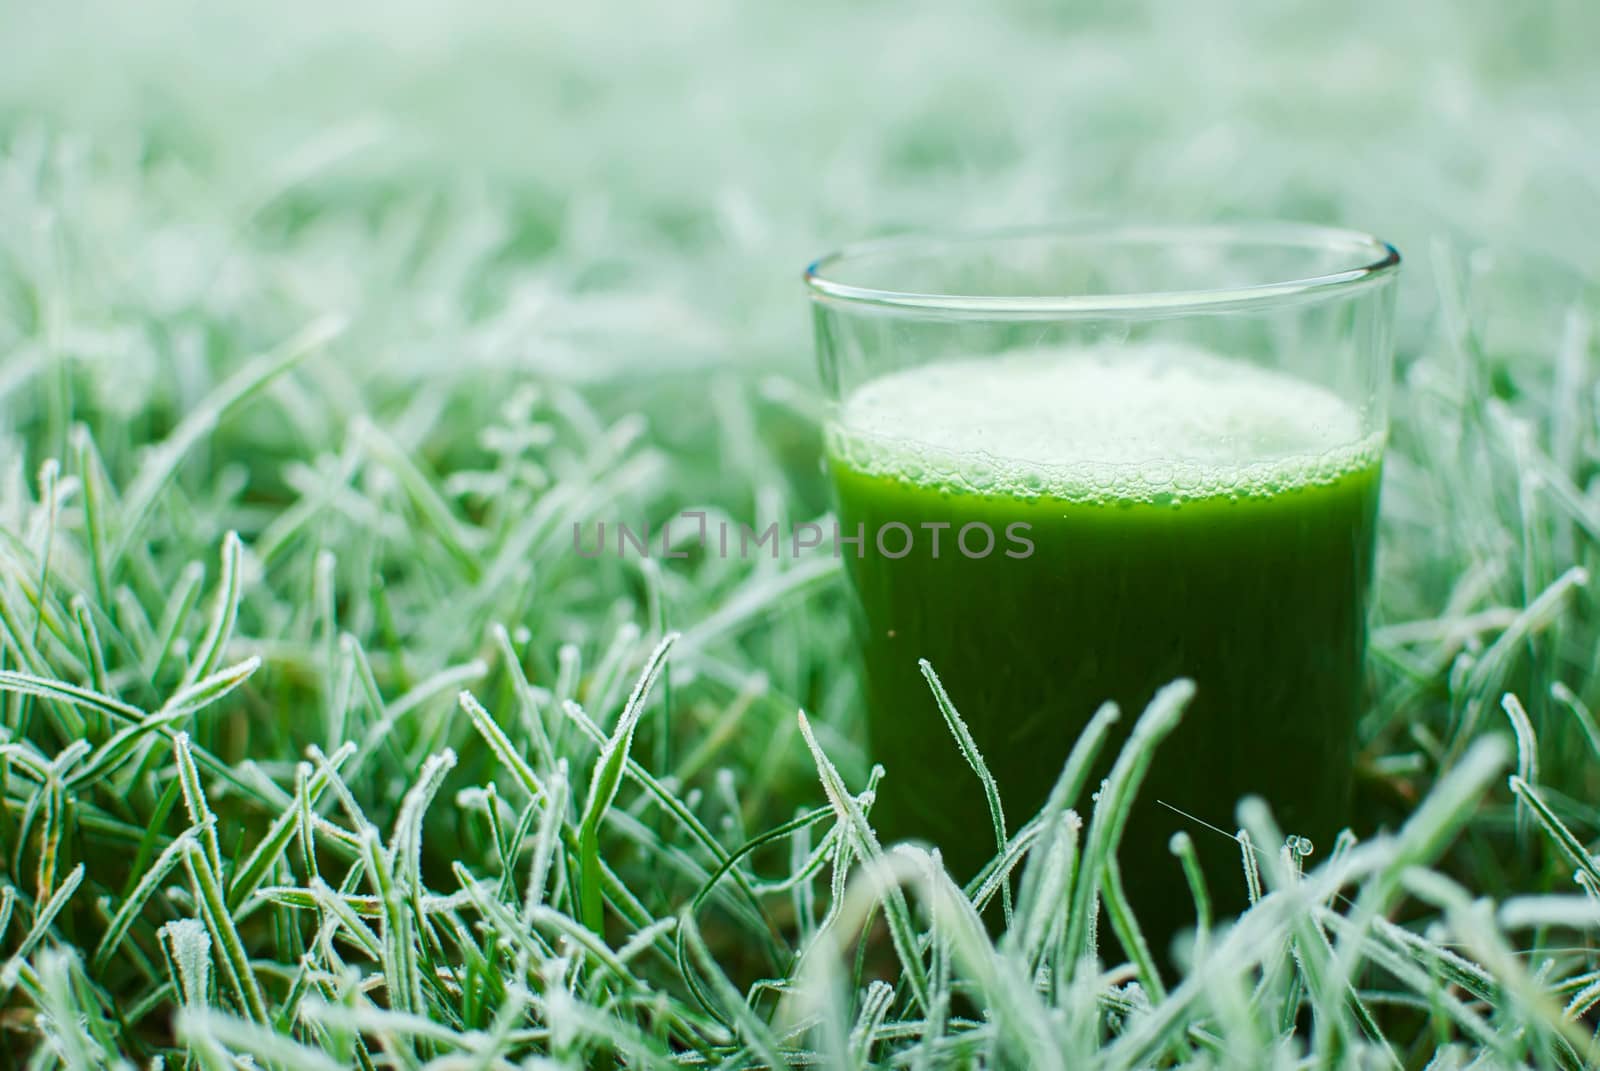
(321, 326)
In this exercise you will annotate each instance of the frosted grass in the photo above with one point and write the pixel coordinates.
(316, 336)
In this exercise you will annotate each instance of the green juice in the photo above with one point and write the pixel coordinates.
(1187, 516)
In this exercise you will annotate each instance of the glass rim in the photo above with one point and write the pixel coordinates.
(1372, 261)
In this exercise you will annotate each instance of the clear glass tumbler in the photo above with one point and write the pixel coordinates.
(1071, 465)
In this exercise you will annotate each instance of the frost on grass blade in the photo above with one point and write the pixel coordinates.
(224, 614)
(188, 947)
(854, 826)
(43, 918)
(1111, 811)
(974, 757)
(606, 779)
(149, 882)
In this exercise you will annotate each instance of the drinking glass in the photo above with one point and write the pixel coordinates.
(1071, 465)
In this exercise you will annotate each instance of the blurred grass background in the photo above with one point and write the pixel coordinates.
(660, 172)
(565, 241)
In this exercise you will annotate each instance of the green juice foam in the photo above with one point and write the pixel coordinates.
(1158, 423)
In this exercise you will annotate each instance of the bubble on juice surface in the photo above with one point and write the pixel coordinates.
(977, 475)
(1158, 423)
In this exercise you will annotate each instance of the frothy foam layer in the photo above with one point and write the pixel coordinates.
(1159, 423)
